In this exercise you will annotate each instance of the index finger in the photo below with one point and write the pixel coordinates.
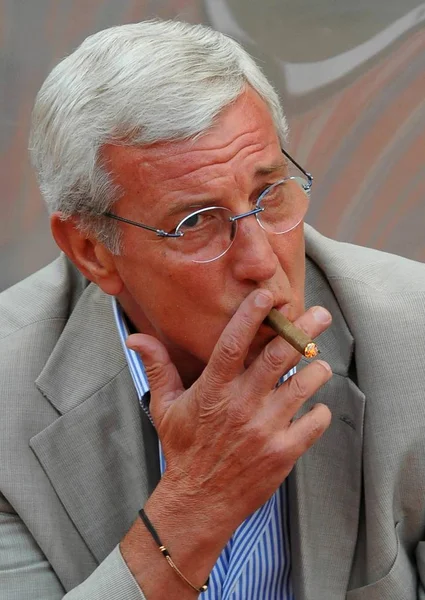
(229, 354)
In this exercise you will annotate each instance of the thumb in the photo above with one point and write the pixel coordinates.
(164, 380)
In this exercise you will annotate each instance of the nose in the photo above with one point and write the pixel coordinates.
(252, 256)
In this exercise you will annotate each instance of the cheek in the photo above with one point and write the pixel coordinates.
(296, 258)
(158, 282)
(290, 250)
(184, 306)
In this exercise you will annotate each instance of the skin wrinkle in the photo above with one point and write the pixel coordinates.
(199, 182)
(216, 162)
(164, 153)
(261, 172)
(187, 305)
(178, 154)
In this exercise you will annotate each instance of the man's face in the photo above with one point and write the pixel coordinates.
(186, 304)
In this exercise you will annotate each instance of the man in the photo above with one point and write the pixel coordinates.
(159, 152)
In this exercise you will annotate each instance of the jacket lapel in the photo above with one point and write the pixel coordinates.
(325, 485)
(94, 453)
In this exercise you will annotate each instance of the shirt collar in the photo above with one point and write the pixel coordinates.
(135, 363)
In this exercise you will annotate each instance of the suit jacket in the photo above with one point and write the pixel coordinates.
(78, 458)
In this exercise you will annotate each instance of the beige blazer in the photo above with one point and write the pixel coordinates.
(74, 444)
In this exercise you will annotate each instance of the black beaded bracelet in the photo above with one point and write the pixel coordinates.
(166, 554)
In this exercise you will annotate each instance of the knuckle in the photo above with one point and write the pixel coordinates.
(326, 415)
(318, 422)
(274, 356)
(275, 453)
(297, 389)
(230, 348)
(212, 379)
(316, 427)
(283, 455)
(156, 374)
(239, 415)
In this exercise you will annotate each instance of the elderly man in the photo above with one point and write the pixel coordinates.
(157, 439)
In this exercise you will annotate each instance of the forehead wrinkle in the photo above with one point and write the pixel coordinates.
(202, 151)
(175, 168)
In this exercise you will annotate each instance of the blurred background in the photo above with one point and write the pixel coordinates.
(351, 76)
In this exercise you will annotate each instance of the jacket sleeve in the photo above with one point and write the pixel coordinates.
(26, 573)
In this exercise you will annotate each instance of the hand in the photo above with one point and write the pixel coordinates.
(231, 438)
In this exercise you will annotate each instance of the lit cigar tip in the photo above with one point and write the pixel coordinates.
(311, 350)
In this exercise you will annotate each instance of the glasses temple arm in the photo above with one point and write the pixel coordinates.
(306, 173)
(159, 232)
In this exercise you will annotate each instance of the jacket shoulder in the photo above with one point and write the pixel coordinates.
(45, 296)
(375, 270)
(33, 314)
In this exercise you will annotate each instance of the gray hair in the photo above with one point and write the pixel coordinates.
(135, 85)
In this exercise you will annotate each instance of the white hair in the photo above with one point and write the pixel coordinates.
(135, 85)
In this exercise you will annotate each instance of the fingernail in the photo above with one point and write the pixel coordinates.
(262, 300)
(325, 365)
(131, 346)
(321, 315)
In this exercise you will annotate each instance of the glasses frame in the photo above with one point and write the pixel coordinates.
(234, 218)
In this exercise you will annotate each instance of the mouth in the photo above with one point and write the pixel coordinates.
(265, 331)
(284, 308)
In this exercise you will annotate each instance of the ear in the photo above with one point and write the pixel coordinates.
(91, 257)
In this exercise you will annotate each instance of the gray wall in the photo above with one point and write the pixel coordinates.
(351, 76)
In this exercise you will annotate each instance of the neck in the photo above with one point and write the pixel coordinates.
(188, 366)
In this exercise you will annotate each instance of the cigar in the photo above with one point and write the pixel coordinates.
(294, 336)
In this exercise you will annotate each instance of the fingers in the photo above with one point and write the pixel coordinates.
(279, 356)
(289, 398)
(164, 380)
(228, 357)
(306, 430)
(301, 434)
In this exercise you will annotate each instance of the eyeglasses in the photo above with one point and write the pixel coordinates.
(208, 233)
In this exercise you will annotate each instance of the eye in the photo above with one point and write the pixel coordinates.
(204, 221)
(192, 221)
(273, 194)
(197, 222)
(266, 191)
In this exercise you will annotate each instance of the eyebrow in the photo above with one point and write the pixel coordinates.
(259, 172)
(182, 206)
(270, 169)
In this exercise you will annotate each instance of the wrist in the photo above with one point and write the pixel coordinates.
(193, 532)
(188, 521)
(166, 554)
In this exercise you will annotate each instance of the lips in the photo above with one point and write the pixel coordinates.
(265, 330)
(284, 308)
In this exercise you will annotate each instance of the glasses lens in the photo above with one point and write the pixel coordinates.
(207, 234)
(285, 204)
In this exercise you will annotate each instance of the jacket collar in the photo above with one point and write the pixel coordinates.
(325, 485)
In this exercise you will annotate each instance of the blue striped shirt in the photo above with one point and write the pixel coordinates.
(255, 563)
